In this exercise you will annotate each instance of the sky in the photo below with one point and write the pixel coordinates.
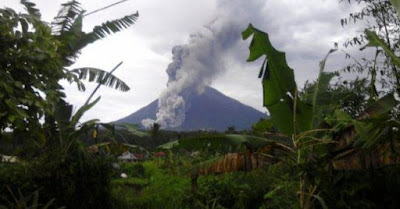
(305, 29)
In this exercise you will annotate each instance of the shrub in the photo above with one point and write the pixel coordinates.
(76, 179)
(233, 190)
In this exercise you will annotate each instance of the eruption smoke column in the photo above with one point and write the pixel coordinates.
(195, 65)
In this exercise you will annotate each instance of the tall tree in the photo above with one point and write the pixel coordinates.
(35, 56)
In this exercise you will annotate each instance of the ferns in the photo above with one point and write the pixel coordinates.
(103, 77)
(114, 26)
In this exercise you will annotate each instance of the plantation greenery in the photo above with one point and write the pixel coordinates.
(324, 145)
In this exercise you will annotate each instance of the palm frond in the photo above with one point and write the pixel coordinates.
(101, 76)
(66, 16)
(113, 26)
(31, 8)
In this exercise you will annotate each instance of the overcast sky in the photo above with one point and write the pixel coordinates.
(304, 29)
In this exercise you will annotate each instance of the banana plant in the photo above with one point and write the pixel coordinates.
(71, 39)
(292, 116)
(296, 117)
(279, 86)
(44, 56)
(67, 122)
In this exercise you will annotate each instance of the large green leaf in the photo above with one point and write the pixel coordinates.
(374, 125)
(371, 133)
(382, 106)
(279, 85)
(281, 116)
(304, 115)
(278, 76)
(323, 79)
(375, 41)
(101, 76)
(321, 99)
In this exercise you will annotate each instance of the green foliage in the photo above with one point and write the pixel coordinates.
(280, 91)
(381, 18)
(136, 170)
(234, 190)
(377, 129)
(278, 77)
(75, 179)
(34, 61)
(376, 41)
(157, 189)
(27, 52)
(321, 87)
(262, 126)
(56, 165)
(314, 150)
(396, 5)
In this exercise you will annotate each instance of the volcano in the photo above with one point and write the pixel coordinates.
(210, 110)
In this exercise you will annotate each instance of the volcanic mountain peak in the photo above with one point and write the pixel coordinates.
(210, 110)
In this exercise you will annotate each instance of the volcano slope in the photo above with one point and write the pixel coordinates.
(210, 110)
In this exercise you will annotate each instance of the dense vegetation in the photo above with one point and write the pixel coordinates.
(326, 145)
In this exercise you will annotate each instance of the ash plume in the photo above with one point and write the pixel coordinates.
(195, 65)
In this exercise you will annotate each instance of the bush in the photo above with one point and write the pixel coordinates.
(156, 189)
(76, 179)
(233, 190)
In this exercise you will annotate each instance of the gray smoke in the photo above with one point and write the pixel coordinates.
(196, 64)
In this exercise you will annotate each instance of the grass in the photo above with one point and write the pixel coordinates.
(156, 189)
